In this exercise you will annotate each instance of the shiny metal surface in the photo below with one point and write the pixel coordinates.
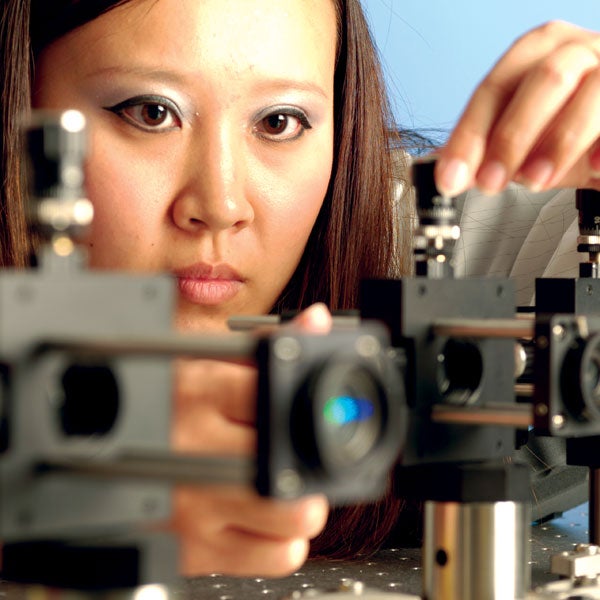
(483, 328)
(511, 415)
(476, 551)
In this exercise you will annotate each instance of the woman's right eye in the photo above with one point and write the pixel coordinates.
(154, 114)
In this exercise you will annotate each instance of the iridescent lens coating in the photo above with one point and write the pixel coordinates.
(351, 414)
(345, 409)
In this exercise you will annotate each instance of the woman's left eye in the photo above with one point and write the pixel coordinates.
(283, 125)
(149, 113)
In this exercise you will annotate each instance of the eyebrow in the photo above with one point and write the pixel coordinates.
(146, 73)
(165, 75)
(297, 84)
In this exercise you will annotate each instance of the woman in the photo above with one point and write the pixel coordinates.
(242, 145)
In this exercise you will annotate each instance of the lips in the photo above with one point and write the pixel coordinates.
(209, 285)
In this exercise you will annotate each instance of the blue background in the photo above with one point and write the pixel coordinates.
(436, 51)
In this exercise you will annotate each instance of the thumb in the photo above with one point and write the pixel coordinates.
(314, 319)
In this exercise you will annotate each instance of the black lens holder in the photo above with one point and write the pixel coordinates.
(298, 374)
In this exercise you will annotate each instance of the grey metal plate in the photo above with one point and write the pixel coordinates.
(392, 571)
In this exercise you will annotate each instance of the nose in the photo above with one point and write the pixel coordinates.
(212, 194)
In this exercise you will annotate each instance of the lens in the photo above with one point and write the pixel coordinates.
(349, 424)
(590, 378)
(460, 371)
(345, 409)
(90, 400)
(580, 379)
(345, 416)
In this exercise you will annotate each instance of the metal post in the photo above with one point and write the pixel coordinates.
(476, 551)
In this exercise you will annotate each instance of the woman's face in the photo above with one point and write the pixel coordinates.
(211, 141)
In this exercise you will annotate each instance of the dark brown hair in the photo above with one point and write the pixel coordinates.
(15, 89)
(353, 237)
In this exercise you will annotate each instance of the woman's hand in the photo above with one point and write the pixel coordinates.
(232, 530)
(534, 119)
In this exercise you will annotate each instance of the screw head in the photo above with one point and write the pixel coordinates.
(289, 483)
(367, 346)
(287, 349)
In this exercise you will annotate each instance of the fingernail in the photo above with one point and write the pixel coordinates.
(317, 511)
(317, 317)
(453, 176)
(492, 177)
(298, 551)
(536, 174)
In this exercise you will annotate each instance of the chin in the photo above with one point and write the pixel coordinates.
(192, 318)
(194, 323)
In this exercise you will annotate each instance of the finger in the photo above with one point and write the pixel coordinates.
(230, 389)
(316, 319)
(201, 428)
(214, 408)
(462, 156)
(459, 160)
(214, 525)
(242, 555)
(567, 140)
(243, 509)
(539, 100)
(580, 175)
(278, 519)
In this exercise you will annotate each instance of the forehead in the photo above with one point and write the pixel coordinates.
(231, 36)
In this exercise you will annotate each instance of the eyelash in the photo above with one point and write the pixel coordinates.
(286, 112)
(140, 102)
(171, 110)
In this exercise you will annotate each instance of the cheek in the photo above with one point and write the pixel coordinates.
(125, 208)
(292, 209)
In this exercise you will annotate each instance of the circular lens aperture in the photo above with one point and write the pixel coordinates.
(349, 413)
(460, 371)
(580, 380)
(590, 378)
